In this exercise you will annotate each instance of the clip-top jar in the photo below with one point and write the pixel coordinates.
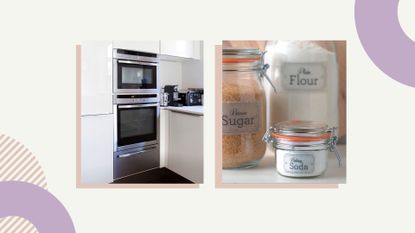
(306, 75)
(243, 110)
(302, 147)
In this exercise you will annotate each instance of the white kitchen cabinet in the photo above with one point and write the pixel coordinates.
(97, 149)
(96, 77)
(181, 48)
(185, 147)
(150, 46)
(164, 136)
(197, 49)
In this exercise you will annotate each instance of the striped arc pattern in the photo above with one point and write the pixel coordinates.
(16, 224)
(18, 164)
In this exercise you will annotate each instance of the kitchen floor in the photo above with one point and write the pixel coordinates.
(155, 176)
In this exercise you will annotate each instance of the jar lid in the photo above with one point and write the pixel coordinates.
(301, 131)
(242, 59)
(303, 135)
(241, 52)
(301, 128)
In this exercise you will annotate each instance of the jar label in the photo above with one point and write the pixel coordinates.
(240, 118)
(303, 76)
(299, 163)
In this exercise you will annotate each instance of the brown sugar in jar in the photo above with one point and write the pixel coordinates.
(243, 110)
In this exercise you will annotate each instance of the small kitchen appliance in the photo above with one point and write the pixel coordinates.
(193, 98)
(173, 98)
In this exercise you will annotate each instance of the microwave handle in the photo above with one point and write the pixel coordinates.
(137, 105)
(137, 63)
(135, 153)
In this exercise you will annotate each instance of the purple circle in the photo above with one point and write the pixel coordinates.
(36, 205)
(385, 42)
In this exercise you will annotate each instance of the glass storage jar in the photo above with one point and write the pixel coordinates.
(307, 78)
(302, 147)
(243, 109)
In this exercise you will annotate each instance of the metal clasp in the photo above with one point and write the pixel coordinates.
(263, 71)
(333, 143)
(267, 138)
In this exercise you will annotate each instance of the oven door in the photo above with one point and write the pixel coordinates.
(135, 77)
(136, 125)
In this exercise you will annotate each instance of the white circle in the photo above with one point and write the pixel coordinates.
(407, 17)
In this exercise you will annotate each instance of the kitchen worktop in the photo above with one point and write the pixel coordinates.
(266, 172)
(195, 110)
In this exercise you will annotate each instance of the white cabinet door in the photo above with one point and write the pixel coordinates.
(97, 149)
(164, 136)
(196, 49)
(150, 46)
(180, 48)
(185, 155)
(96, 77)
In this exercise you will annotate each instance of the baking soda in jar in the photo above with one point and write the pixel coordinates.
(302, 147)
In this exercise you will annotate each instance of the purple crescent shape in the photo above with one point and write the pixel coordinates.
(36, 205)
(385, 42)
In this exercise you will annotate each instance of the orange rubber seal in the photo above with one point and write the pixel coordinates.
(302, 139)
(240, 59)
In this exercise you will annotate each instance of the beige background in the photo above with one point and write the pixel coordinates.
(37, 75)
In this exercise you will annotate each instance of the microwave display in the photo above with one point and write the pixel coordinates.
(134, 76)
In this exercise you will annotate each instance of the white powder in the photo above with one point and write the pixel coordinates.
(312, 94)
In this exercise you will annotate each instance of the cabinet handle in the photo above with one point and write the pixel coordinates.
(137, 105)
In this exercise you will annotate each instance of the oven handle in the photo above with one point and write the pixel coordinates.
(137, 105)
(136, 153)
(138, 63)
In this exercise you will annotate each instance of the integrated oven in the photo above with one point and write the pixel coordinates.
(135, 72)
(136, 133)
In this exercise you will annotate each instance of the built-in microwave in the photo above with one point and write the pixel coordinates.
(135, 72)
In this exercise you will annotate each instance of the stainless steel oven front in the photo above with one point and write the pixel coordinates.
(135, 72)
(136, 133)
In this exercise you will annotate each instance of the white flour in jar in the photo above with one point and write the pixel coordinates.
(306, 77)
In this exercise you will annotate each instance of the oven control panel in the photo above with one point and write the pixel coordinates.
(136, 98)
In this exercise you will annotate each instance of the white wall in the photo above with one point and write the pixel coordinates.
(186, 73)
(192, 72)
(170, 73)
